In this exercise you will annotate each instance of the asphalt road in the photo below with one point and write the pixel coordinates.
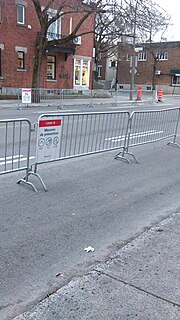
(93, 200)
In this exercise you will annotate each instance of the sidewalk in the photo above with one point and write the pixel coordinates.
(63, 103)
(139, 282)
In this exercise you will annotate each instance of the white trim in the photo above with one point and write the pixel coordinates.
(81, 86)
(23, 14)
(21, 2)
(23, 49)
(85, 58)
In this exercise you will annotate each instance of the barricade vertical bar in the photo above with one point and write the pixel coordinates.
(13, 146)
(5, 156)
(62, 134)
(20, 140)
(66, 136)
(105, 129)
(175, 134)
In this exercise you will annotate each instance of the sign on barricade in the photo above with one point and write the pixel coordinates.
(26, 95)
(48, 138)
(69, 135)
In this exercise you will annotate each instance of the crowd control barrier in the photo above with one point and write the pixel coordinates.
(15, 146)
(69, 135)
(64, 136)
(61, 97)
(150, 126)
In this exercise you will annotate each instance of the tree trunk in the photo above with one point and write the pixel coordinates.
(40, 46)
(154, 76)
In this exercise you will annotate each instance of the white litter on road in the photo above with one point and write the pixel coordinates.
(89, 249)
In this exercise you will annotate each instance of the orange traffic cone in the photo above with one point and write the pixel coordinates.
(139, 93)
(160, 95)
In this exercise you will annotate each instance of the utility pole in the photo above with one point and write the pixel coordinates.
(133, 61)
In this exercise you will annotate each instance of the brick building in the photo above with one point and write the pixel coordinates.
(157, 65)
(63, 66)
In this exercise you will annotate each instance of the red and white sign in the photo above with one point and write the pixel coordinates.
(48, 138)
(26, 95)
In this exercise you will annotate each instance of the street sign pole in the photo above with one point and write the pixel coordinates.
(133, 71)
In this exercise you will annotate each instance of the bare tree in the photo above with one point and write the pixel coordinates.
(129, 21)
(84, 9)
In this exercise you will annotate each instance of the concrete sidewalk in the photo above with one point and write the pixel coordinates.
(139, 282)
(62, 104)
(114, 101)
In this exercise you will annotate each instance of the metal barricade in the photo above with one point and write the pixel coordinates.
(65, 136)
(86, 97)
(42, 96)
(151, 126)
(121, 95)
(47, 96)
(15, 146)
(80, 95)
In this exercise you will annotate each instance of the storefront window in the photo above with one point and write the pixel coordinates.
(81, 72)
(78, 72)
(85, 74)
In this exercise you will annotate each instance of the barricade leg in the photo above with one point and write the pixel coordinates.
(121, 155)
(25, 181)
(34, 173)
(115, 104)
(91, 105)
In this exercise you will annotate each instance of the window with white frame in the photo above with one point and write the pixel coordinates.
(176, 79)
(54, 30)
(128, 57)
(99, 70)
(142, 56)
(81, 72)
(20, 14)
(162, 56)
(112, 63)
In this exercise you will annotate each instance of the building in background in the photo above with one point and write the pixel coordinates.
(64, 66)
(107, 70)
(157, 65)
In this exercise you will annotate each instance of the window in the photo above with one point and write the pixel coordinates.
(51, 68)
(81, 72)
(162, 56)
(21, 60)
(142, 56)
(176, 79)
(99, 55)
(112, 64)
(54, 30)
(128, 57)
(99, 69)
(20, 14)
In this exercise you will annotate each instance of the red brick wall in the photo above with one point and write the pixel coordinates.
(12, 35)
